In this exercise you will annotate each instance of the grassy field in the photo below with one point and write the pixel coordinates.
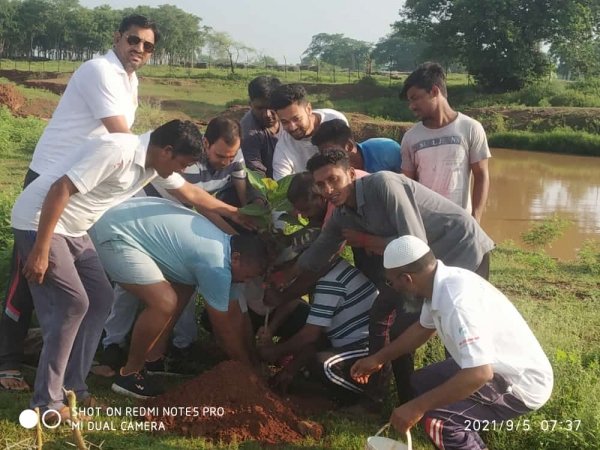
(551, 115)
(560, 300)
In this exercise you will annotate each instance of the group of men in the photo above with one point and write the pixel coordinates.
(421, 258)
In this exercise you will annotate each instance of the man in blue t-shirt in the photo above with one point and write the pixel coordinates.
(160, 252)
(372, 155)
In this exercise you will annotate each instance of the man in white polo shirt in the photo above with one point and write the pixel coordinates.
(50, 219)
(497, 370)
(294, 147)
(101, 97)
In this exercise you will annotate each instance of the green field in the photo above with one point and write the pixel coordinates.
(551, 115)
(560, 300)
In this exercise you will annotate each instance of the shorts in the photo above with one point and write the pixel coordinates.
(127, 264)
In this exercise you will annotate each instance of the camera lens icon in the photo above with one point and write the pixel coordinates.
(50, 419)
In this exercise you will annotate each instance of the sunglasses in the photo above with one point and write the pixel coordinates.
(132, 39)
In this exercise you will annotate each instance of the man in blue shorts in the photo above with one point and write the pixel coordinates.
(160, 252)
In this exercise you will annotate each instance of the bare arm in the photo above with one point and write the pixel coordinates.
(301, 283)
(56, 200)
(239, 184)
(115, 124)
(206, 204)
(481, 187)
(370, 242)
(278, 317)
(464, 383)
(414, 336)
(228, 327)
(308, 335)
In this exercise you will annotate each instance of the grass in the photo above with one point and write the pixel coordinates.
(567, 124)
(560, 301)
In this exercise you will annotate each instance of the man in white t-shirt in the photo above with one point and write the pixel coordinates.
(444, 148)
(101, 97)
(294, 147)
(497, 369)
(50, 220)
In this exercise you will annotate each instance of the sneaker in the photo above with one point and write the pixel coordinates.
(157, 367)
(113, 356)
(137, 385)
(182, 367)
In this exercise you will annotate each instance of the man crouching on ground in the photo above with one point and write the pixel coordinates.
(160, 251)
(497, 369)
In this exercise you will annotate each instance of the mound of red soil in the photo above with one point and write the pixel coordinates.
(11, 97)
(249, 410)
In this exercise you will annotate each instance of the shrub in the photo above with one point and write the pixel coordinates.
(560, 140)
(18, 136)
(545, 232)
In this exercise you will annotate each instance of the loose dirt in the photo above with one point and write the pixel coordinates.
(250, 410)
(11, 97)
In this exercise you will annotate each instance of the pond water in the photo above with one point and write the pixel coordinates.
(526, 187)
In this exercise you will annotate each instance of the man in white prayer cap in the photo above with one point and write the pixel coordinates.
(497, 369)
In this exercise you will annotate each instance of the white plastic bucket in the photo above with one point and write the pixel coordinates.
(378, 442)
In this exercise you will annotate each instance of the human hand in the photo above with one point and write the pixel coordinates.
(36, 265)
(406, 416)
(264, 336)
(362, 369)
(267, 352)
(248, 222)
(281, 380)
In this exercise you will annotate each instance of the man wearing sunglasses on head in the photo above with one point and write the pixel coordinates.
(101, 97)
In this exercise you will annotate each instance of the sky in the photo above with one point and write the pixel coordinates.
(278, 28)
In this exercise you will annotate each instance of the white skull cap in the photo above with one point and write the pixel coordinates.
(403, 251)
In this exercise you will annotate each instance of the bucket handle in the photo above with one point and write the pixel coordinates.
(408, 437)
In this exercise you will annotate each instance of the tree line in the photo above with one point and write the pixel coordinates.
(65, 30)
(502, 44)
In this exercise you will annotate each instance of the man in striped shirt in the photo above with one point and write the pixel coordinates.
(339, 315)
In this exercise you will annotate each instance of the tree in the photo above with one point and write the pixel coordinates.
(499, 41)
(31, 19)
(222, 45)
(8, 26)
(181, 33)
(399, 51)
(337, 50)
(575, 41)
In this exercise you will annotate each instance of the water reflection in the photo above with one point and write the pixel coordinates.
(530, 186)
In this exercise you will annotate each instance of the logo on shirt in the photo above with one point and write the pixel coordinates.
(436, 142)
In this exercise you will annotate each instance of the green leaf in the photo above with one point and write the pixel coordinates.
(269, 183)
(255, 210)
(256, 181)
(280, 193)
(282, 205)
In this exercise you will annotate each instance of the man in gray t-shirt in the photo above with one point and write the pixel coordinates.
(260, 126)
(374, 210)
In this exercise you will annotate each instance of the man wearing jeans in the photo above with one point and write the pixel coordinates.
(497, 370)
